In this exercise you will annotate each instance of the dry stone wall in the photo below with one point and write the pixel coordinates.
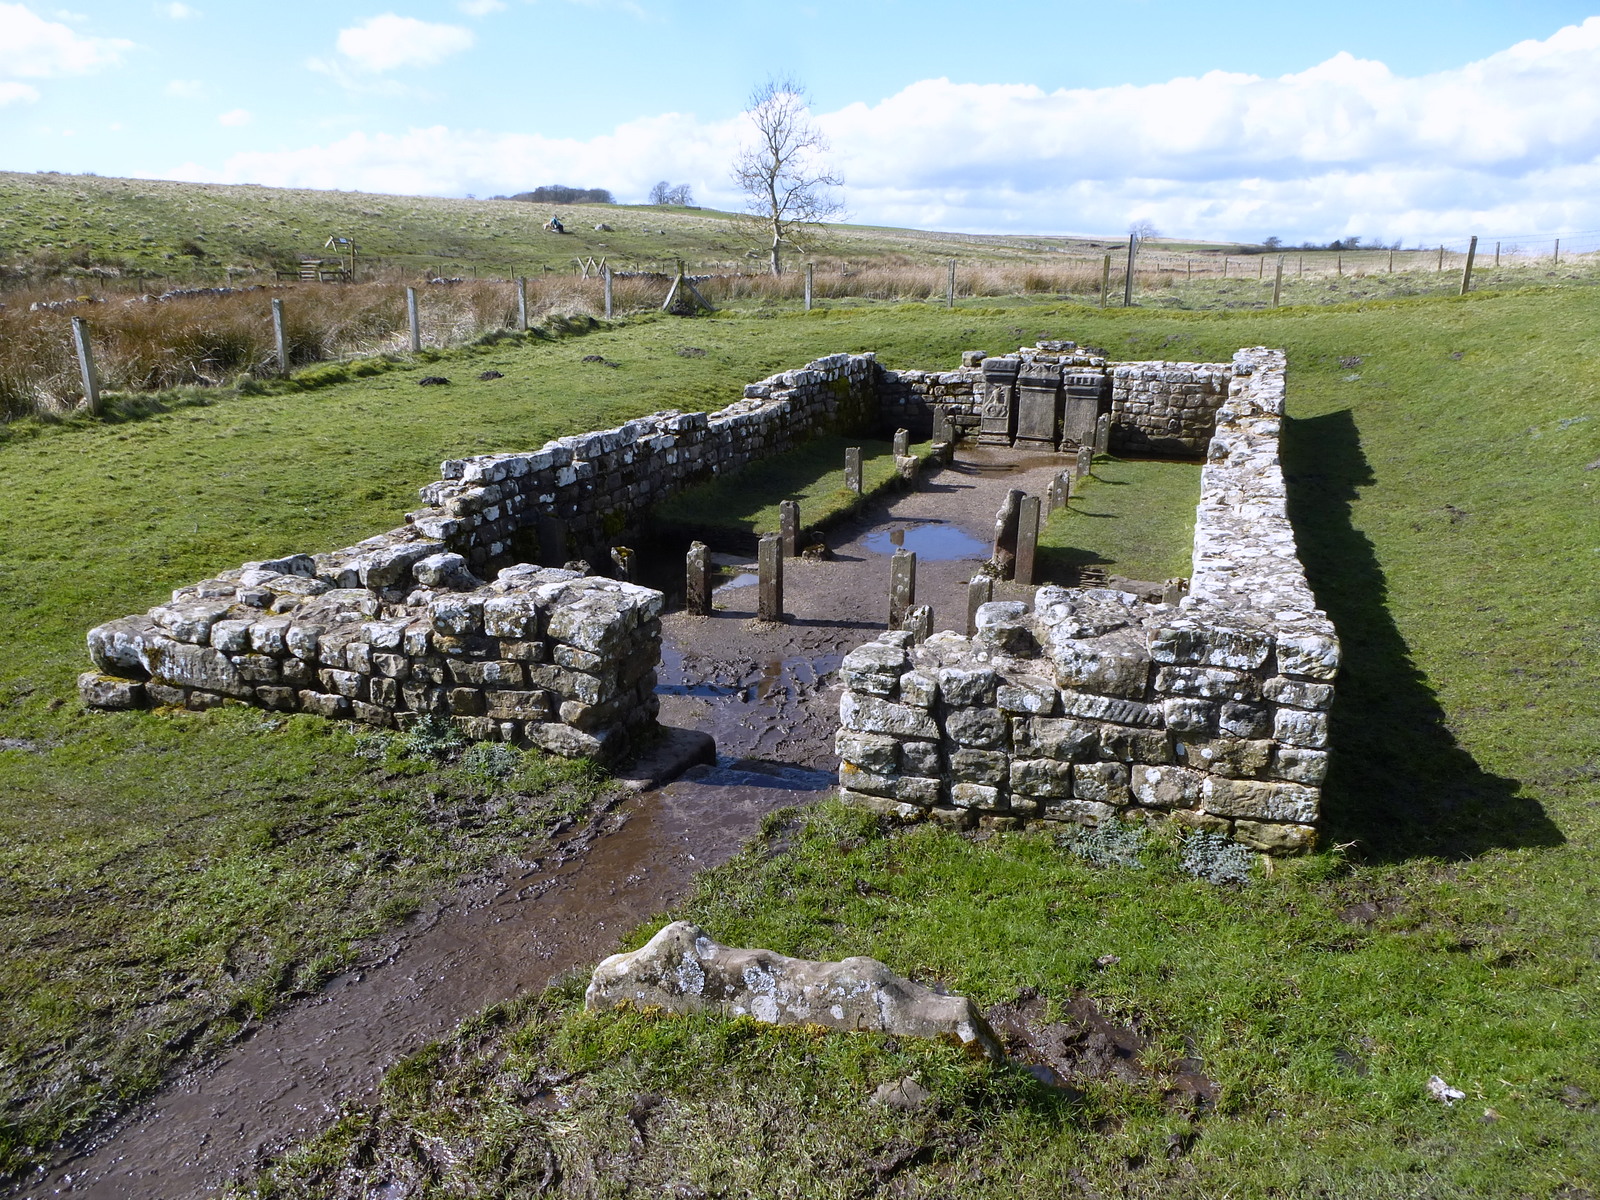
(1091, 705)
(545, 656)
(1160, 408)
(575, 496)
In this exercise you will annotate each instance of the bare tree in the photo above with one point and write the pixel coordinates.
(1143, 229)
(660, 193)
(665, 193)
(785, 184)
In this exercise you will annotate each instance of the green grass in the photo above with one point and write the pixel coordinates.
(154, 227)
(1447, 523)
(1133, 517)
(746, 501)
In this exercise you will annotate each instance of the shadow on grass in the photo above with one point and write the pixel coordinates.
(1398, 781)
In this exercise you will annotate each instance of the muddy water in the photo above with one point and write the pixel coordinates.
(289, 1080)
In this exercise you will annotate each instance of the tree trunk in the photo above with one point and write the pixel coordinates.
(777, 238)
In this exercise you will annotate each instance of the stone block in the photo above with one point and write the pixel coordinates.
(1024, 694)
(1108, 708)
(1245, 720)
(1296, 727)
(980, 728)
(1166, 787)
(1308, 656)
(186, 665)
(1060, 738)
(1260, 801)
(1041, 777)
(874, 668)
(1078, 810)
(1274, 838)
(1207, 683)
(959, 686)
(1189, 716)
(1123, 743)
(918, 790)
(975, 795)
(495, 673)
(869, 751)
(1236, 758)
(883, 805)
(527, 706)
(98, 690)
(279, 699)
(1296, 765)
(1101, 782)
(921, 758)
(857, 779)
(978, 766)
(1298, 693)
(1106, 668)
(515, 617)
(322, 704)
(919, 689)
(869, 714)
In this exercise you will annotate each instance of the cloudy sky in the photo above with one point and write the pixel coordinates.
(1414, 121)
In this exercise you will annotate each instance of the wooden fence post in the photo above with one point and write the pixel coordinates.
(1277, 282)
(413, 319)
(522, 302)
(1557, 259)
(1466, 272)
(91, 379)
(610, 307)
(279, 341)
(1105, 280)
(1127, 283)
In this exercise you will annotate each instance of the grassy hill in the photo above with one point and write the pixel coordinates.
(165, 880)
(194, 230)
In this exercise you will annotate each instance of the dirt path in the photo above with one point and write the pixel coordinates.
(765, 693)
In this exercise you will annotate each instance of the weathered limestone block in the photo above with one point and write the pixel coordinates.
(1060, 738)
(682, 970)
(1041, 777)
(978, 728)
(1295, 727)
(1167, 787)
(1101, 782)
(868, 714)
(98, 690)
(869, 751)
(1259, 801)
(874, 668)
(1274, 838)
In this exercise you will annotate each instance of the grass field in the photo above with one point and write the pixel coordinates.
(1436, 459)
(1134, 517)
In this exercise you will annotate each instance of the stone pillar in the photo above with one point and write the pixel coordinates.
(902, 442)
(997, 417)
(980, 590)
(789, 527)
(852, 468)
(942, 430)
(1102, 434)
(86, 369)
(920, 622)
(902, 586)
(413, 320)
(697, 580)
(624, 560)
(1005, 534)
(1059, 492)
(769, 577)
(1084, 463)
(1027, 539)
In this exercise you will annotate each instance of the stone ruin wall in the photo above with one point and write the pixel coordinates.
(1092, 705)
(1157, 408)
(401, 625)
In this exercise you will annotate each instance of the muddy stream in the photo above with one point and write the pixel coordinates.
(765, 694)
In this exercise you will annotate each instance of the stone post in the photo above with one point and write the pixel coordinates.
(902, 586)
(280, 342)
(810, 282)
(789, 527)
(1060, 491)
(902, 442)
(697, 580)
(522, 303)
(769, 578)
(610, 307)
(920, 622)
(1005, 534)
(91, 377)
(1102, 434)
(980, 590)
(413, 319)
(624, 560)
(1027, 539)
(942, 430)
(852, 468)
(1084, 463)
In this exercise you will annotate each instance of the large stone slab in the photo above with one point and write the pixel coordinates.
(683, 970)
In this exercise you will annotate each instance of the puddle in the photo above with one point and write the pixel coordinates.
(746, 579)
(998, 465)
(929, 541)
(289, 1080)
(767, 709)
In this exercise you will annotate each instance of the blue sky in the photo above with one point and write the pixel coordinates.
(1418, 121)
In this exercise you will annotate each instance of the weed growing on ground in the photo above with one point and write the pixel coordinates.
(491, 761)
(1108, 844)
(1215, 859)
(432, 735)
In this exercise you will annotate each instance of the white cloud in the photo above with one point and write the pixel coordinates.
(12, 93)
(184, 89)
(481, 8)
(178, 12)
(39, 49)
(235, 116)
(386, 42)
(1345, 147)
